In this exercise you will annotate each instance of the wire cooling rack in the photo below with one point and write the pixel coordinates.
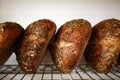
(49, 72)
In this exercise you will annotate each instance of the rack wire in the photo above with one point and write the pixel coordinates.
(49, 72)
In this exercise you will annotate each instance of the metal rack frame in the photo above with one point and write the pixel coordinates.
(49, 72)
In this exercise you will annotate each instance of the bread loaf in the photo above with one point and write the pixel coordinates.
(69, 43)
(34, 43)
(9, 34)
(104, 45)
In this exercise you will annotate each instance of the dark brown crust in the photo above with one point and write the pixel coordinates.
(103, 48)
(69, 44)
(9, 34)
(34, 44)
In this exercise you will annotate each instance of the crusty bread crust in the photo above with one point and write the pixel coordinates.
(104, 45)
(69, 44)
(34, 43)
(9, 34)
